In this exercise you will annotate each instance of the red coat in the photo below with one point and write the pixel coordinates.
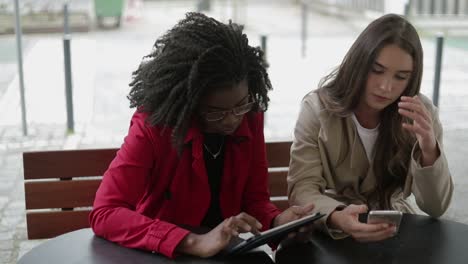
(137, 206)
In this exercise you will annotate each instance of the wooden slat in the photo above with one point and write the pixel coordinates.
(278, 184)
(94, 162)
(66, 163)
(282, 204)
(60, 194)
(278, 153)
(51, 224)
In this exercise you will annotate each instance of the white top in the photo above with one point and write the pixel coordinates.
(368, 137)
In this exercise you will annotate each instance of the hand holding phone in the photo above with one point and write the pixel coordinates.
(348, 221)
(391, 217)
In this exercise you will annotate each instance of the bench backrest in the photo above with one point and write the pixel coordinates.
(60, 186)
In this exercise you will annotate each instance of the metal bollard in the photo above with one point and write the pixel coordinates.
(263, 43)
(68, 74)
(19, 50)
(438, 69)
(203, 5)
(407, 9)
(303, 28)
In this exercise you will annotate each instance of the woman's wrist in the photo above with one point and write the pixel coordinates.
(332, 220)
(429, 157)
(189, 244)
(274, 222)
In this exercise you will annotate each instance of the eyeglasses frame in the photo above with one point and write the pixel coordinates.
(224, 113)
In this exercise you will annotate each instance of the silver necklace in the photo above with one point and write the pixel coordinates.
(214, 155)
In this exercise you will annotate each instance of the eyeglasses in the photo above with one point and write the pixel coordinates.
(220, 115)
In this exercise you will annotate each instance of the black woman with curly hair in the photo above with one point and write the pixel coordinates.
(195, 151)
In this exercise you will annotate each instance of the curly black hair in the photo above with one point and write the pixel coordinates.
(198, 55)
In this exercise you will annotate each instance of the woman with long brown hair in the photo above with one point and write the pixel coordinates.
(366, 139)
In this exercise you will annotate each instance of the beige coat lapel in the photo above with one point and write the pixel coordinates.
(348, 165)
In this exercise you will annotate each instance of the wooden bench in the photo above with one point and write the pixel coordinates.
(60, 186)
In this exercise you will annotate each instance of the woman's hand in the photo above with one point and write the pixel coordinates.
(347, 220)
(211, 243)
(413, 108)
(293, 213)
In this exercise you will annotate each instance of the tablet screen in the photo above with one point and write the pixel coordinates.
(271, 235)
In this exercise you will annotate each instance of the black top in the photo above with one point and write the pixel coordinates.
(213, 153)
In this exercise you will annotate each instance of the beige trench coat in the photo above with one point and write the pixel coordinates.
(315, 175)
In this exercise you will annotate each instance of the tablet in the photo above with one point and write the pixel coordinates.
(271, 235)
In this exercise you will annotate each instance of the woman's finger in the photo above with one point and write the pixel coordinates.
(248, 223)
(250, 219)
(416, 129)
(415, 117)
(228, 227)
(416, 108)
(296, 209)
(243, 226)
(354, 209)
(376, 236)
(358, 227)
(306, 209)
(422, 107)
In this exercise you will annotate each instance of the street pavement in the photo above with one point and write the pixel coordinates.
(102, 63)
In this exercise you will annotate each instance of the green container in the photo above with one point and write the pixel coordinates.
(108, 8)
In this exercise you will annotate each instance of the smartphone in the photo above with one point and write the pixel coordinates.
(392, 217)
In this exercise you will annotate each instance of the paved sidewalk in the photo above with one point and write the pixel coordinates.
(103, 61)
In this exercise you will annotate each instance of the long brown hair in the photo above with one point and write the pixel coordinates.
(341, 90)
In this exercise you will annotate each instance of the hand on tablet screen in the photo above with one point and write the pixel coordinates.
(274, 235)
(209, 244)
